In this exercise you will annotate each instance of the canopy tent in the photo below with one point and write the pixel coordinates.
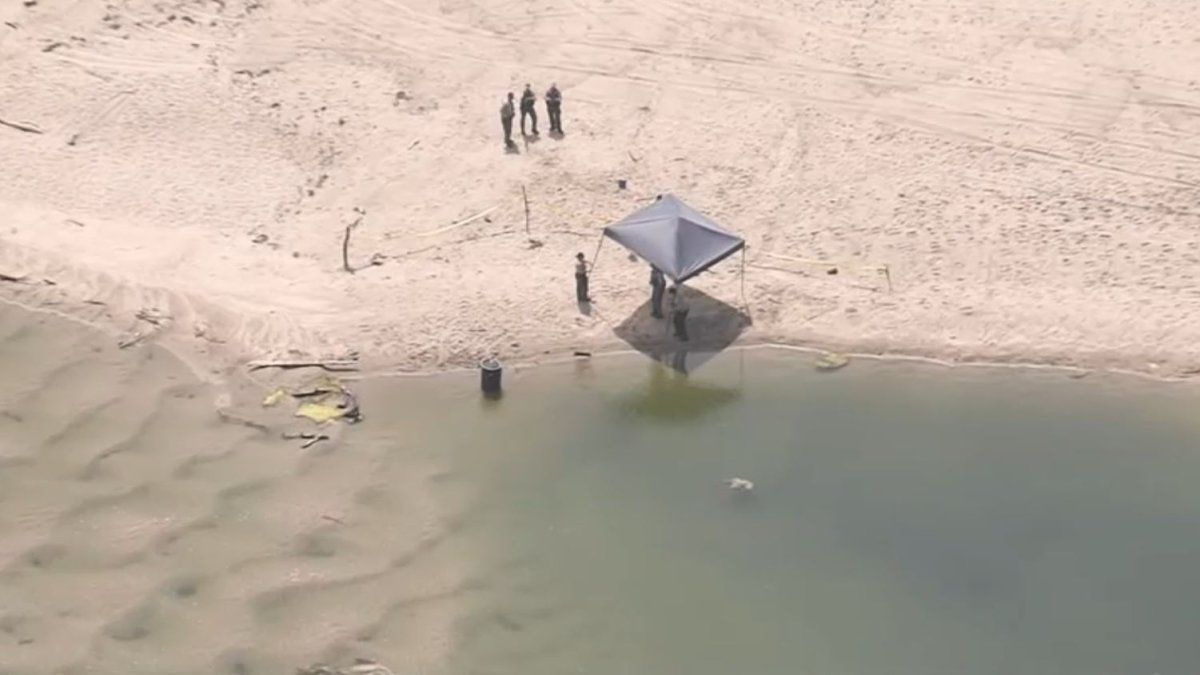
(675, 238)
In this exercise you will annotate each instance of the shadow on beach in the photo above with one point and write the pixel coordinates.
(713, 326)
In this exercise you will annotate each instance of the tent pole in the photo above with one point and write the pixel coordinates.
(745, 304)
(597, 255)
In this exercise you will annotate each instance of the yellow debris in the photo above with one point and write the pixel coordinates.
(831, 361)
(320, 412)
(274, 397)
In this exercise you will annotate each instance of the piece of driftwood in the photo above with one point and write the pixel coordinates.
(303, 435)
(13, 278)
(333, 519)
(525, 198)
(313, 441)
(460, 223)
(19, 126)
(346, 245)
(456, 242)
(333, 365)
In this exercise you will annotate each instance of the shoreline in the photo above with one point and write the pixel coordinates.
(231, 364)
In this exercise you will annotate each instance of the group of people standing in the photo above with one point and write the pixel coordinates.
(528, 109)
(678, 305)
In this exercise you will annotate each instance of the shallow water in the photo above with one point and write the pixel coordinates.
(906, 520)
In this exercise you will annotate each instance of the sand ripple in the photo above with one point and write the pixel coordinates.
(141, 534)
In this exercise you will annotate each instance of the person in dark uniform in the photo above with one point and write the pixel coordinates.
(581, 279)
(554, 108)
(679, 312)
(507, 113)
(528, 99)
(658, 284)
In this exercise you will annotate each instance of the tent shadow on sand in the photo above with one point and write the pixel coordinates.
(670, 394)
(713, 326)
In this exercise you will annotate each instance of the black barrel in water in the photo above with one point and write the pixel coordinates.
(489, 377)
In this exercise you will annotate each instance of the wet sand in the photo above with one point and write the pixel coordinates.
(142, 532)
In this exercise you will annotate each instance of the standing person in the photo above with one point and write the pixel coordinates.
(507, 113)
(679, 312)
(528, 99)
(657, 285)
(554, 108)
(581, 279)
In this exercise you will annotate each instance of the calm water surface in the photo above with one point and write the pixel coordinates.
(907, 519)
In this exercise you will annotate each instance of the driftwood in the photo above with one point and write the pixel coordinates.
(14, 278)
(431, 247)
(310, 439)
(19, 126)
(333, 365)
(460, 223)
(346, 245)
(313, 441)
(525, 198)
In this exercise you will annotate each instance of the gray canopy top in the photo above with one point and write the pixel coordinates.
(675, 238)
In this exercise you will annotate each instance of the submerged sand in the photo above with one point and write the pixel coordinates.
(1027, 170)
(150, 523)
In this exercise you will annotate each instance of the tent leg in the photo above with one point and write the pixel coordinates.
(745, 305)
(597, 254)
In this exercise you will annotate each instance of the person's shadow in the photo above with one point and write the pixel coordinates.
(712, 326)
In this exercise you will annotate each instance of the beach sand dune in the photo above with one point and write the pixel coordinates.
(1028, 171)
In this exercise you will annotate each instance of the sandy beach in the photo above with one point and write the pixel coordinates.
(1027, 171)
(181, 173)
(142, 533)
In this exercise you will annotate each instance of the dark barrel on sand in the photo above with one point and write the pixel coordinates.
(489, 376)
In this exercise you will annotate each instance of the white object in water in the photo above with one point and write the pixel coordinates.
(739, 484)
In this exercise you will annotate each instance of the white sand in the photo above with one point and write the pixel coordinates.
(1028, 169)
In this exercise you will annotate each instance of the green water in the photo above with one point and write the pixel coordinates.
(906, 520)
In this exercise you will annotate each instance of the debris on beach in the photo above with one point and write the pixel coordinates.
(831, 361)
(310, 439)
(319, 412)
(324, 400)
